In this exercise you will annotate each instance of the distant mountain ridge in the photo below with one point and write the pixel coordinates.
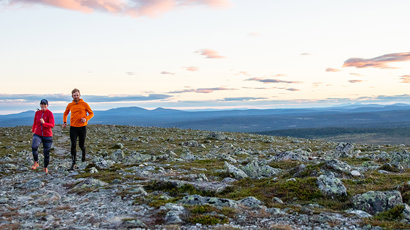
(251, 120)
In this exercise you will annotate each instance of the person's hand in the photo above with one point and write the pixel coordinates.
(64, 125)
(42, 121)
(83, 120)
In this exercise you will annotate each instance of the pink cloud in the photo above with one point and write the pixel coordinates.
(192, 68)
(355, 74)
(405, 79)
(202, 90)
(332, 70)
(167, 73)
(377, 62)
(270, 80)
(355, 81)
(126, 7)
(209, 53)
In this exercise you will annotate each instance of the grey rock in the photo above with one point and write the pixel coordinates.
(118, 146)
(253, 170)
(216, 136)
(214, 201)
(93, 170)
(173, 217)
(375, 202)
(331, 186)
(299, 155)
(33, 184)
(355, 173)
(338, 166)
(238, 173)
(191, 143)
(401, 159)
(344, 149)
(118, 155)
(251, 202)
(359, 213)
(102, 163)
(277, 200)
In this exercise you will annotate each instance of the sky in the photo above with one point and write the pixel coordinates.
(203, 54)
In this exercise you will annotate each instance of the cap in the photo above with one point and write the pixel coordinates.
(44, 101)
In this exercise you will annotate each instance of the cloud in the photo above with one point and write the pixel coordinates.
(254, 34)
(167, 73)
(355, 81)
(192, 68)
(355, 74)
(89, 98)
(134, 8)
(332, 70)
(405, 79)
(271, 80)
(305, 54)
(292, 89)
(202, 90)
(377, 62)
(130, 73)
(244, 98)
(209, 53)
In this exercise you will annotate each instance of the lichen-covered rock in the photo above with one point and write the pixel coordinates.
(296, 155)
(331, 186)
(401, 159)
(102, 163)
(374, 202)
(118, 146)
(238, 173)
(251, 202)
(214, 201)
(344, 149)
(117, 155)
(254, 170)
(216, 136)
(191, 143)
(338, 166)
(33, 184)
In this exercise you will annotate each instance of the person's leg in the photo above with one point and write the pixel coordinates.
(47, 142)
(34, 147)
(82, 135)
(73, 138)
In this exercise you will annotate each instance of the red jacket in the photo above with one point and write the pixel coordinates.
(43, 129)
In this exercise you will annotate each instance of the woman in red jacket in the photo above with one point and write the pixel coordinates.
(43, 123)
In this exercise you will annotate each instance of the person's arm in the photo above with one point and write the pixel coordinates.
(66, 112)
(50, 123)
(89, 111)
(33, 129)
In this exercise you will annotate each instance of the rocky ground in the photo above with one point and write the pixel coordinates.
(157, 178)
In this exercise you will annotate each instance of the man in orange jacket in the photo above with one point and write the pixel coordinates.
(78, 124)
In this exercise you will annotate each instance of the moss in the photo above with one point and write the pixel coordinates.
(201, 209)
(208, 219)
(389, 167)
(375, 181)
(390, 225)
(103, 175)
(395, 213)
(174, 190)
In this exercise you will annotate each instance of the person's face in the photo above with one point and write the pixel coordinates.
(76, 96)
(43, 106)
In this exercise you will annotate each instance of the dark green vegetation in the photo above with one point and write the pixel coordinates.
(398, 135)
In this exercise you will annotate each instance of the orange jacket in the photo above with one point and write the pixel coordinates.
(78, 110)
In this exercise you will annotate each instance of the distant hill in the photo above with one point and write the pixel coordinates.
(252, 120)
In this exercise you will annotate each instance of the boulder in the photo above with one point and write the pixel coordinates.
(374, 202)
(344, 149)
(238, 173)
(251, 202)
(331, 186)
(253, 170)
